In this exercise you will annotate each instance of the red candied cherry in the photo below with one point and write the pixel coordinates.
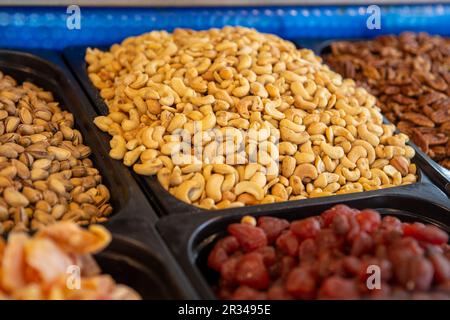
(340, 224)
(247, 293)
(230, 244)
(400, 252)
(272, 227)
(324, 264)
(411, 245)
(337, 267)
(352, 265)
(391, 236)
(287, 242)
(216, 258)
(268, 254)
(381, 251)
(307, 250)
(306, 228)
(248, 236)
(354, 230)
(278, 292)
(338, 288)
(362, 244)
(428, 233)
(420, 274)
(391, 223)
(221, 251)
(340, 209)
(301, 284)
(287, 263)
(441, 267)
(378, 236)
(329, 265)
(369, 220)
(326, 240)
(251, 271)
(228, 270)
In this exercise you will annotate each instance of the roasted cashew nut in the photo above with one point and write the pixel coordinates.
(249, 187)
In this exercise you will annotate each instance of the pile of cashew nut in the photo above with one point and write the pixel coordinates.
(272, 122)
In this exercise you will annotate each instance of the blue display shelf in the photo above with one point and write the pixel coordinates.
(45, 27)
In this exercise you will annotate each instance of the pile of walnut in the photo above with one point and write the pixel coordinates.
(45, 172)
(410, 76)
(236, 86)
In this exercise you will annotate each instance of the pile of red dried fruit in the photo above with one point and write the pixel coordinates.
(410, 76)
(327, 257)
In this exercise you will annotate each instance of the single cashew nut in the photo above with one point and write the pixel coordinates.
(163, 176)
(148, 168)
(132, 156)
(306, 172)
(294, 137)
(270, 110)
(349, 110)
(297, 185)
(185, 190)
(259, 178)
(118, 147)
(332, 152)
(287, 148)
(229, 182)
(279, 191)
(325, 178)
(304, 157)
(149, 155)
(103, 123)
(249, 187)
(368, 136)
(378, 173)
(288, 166)
(147, 138)
(390, 170)
(342, 132)
(401, 164)
(356, 153)
(371, 155)
(351, 175)
(213, 187)
(223, 168)
(250, 170)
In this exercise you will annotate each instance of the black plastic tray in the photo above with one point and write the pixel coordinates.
(130, 263)
(437, 173)
(192, 236)
(167, 204)
(132, 214)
